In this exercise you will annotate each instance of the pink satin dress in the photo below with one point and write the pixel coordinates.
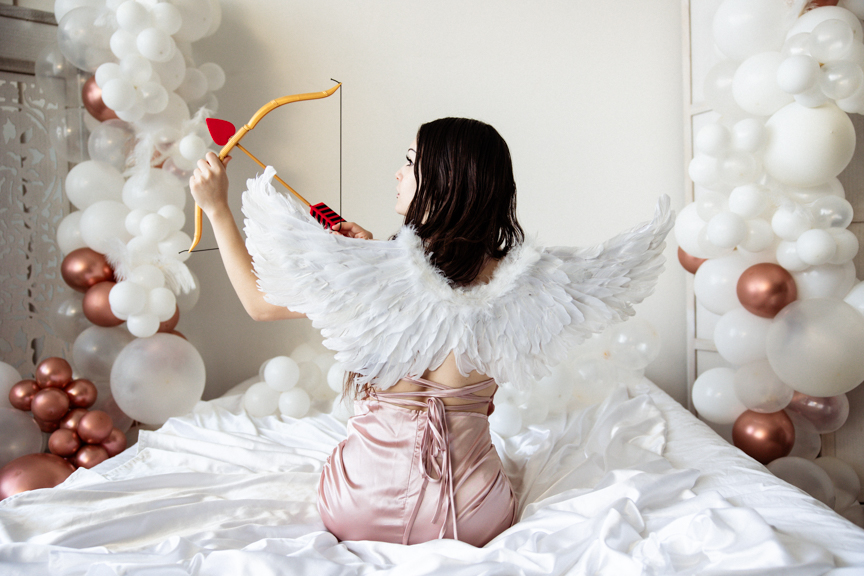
(409, 476)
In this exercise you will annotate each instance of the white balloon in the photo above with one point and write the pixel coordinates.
(172, 72)
(825, 281)
(166, 17)
(68, 319)
(740, 336)
(154, 97)
(135, 113)
(790, 221)
(749, 200)
(9, 376)
(812, 18)
(342, 409)
(156, 378)
(147, 276)
(69, 233)
(174, 114)
(162, 303)
(704, 170)
(92, 181)
(155, 45)
(710, 203)
(843, 476)
(174, 216)
(805, 475)
(103, 224)
(831, 212)
(634, 344)
(808, 442)
(127, 298)
(133, 221)
(738, 168)
(83, 35)
(119, 94)
(136, 68)
(95, 350)
(812, 97)
(787, 257)
(19, 435)
(746, 27)
(63, 7)
(718, 89)
(726, 230)
(141, 249)
(808, 195)
(123, 44)
(176, 245)
(811, 346)
(830, 40)
(154, 227)
(261, 400)
(759, 388)
(214, 74)
(192, 147)
(855, 297)
(839, 80)
(816, 246)
(143, 325)
(854, 6)
(506, 420)
(807, 146)
(847, 245)
(714, 396)
(713, 139)
(759, 236)
(281, 373)
(748, 135)
(335, 377)
(194, 85)
(153, 189)
(107, 71)
(196, 16)
(715, 282)
(294, 403)
(797, 74)
(688, 225)
(133, 16)
(556, 389)
(755, 86)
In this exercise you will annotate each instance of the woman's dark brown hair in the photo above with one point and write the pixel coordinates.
(464, 209)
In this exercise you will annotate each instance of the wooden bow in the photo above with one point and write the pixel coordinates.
(223, 132)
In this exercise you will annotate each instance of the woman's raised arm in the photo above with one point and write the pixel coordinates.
(209, 186)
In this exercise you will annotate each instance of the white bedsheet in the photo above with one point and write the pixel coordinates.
(634, 485)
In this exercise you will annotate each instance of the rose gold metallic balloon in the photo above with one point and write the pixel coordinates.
(54, 372)
(764, 289)
(90, 455)
(72, 418)
(764, 437)
(115, 443)
(45, 426)
(64, 442)
(21, 394)
(91, 95)
(97, 309)
(826, 414)
(50, 405)
(168, 325)
(33, 471)
(688, 262)
(82, 393)
(95, 427)
(82, 268)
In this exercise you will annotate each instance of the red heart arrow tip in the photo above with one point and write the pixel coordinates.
(220, 130)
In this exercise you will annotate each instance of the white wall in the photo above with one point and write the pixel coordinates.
(587, 94)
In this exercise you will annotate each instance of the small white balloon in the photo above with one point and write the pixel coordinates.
(136, 68)
(759, 236)
(688, 226)
(808, 442)
(816, 246)
(714, 396)
(103, 224)
(812, 18)
(787, 257)
(92, 181)
(133, 16)
(294, 403)
(127, 298)
(847, 245)
(634, 344)
(830, 40)
(710, 203)
(141, 249)
(166, 17)
(133, 221)
(162, 303)
(755, 86)
(748, 135)
(839, 80)
(154, 97)
(797, 74)
(749, 200)
(107, 71)
(713, 139)
(261, 400)
(740, 336)
(746, 27)
(142, 325)
(194, 85)
(176, 245)
(174, 216)
(342, 408)
(69, 233)
(825, 281)
(831, 212)
(336, 376)
(281, 373)
(155, 45)
(843, 476)
(726, 230)
(805, 475)
(790, 221)
(154, 227)
(192, 147)
(122, 44)
(704, 170)
(214, 74)
(119, 94)
(715, 282)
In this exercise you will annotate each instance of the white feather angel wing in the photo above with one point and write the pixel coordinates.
(388, 312)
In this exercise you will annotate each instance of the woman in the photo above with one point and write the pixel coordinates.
(427, 324)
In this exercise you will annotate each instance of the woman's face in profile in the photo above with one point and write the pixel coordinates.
(406, 184)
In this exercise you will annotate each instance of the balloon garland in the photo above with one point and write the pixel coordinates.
(767, 237)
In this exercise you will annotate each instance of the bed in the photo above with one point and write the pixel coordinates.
(632, 485)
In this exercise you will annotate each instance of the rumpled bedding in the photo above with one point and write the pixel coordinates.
(633, 485)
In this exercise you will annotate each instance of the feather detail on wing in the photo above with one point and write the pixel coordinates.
(388, 312)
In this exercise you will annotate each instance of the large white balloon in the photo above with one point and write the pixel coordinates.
(714, 396)
(92, 181)
(743, 28)
(755, 87)
(103, 223)
(95, 350)
(156, 378)
(807, 146)
(825, 281)
(84, 35)
(19, 435)
(740, 336)
(759, 388)
(814, 346)
(812, 18)
(196, 16)
(153, 189)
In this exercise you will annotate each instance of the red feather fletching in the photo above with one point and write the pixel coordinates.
(325, 215)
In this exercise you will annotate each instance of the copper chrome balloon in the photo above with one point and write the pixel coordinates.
(688, 262)
(50, 404)
(33, 471)
(64, 442)
(90, 455)
(82, 393)
(91, 96)
(95, 426)
(97, 309)
(83, 268)
(54, 372)
(72, 418)
(764, 437)
(21, 394)
(115, 443)
(764, 289)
